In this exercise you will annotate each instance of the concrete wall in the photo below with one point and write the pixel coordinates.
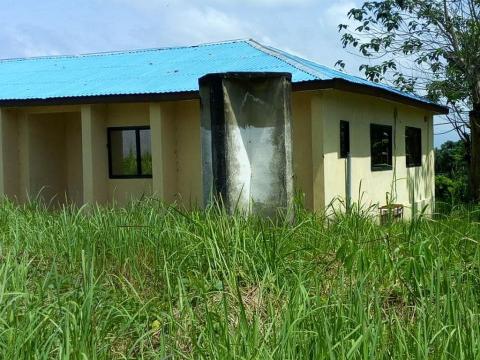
(41, 156)
(407, 186)
(9, 153)
(188, 150)
(73, 154)
(123, 190)
(47, 160)
(176, 163)
(66, 147)
(302, 147)
(94, 154)
(54, 161)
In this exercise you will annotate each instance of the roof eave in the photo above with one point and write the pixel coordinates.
(345, 85)
(99, 99)
(338, 84)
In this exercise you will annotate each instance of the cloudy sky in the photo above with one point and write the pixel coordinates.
(48, 27)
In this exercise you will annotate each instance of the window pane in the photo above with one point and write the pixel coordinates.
(413, 146)
(381, 147)
(344, 138)
(146, 152)
(123, 152)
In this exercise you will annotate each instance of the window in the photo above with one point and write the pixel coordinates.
(413, 146)
(381, 147)
(344, 138)
(129, 152)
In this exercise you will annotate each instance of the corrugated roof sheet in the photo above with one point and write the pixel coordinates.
(153, 71)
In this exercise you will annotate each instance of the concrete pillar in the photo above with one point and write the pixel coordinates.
(9, 150)
(164, 172)
(94, 154)
(24, 157)
(246, 141)
(156, 118)
(318, 172)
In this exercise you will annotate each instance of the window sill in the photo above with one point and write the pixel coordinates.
(381, 168)
(129, 177)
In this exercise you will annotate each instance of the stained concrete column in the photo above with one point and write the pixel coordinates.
(318, 173)
(9, 159)
(246, 141)
(94, 154)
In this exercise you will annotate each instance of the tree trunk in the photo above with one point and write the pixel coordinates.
(475, 153)
(475, 142)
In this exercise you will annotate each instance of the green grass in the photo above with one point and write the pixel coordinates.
(152, 282)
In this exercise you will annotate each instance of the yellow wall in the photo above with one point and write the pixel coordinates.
(405, 186)
(176, 155)
(74, 141)
(9, 153)
(302, 147)
(121, 191)
(94, 154)
(41, 155)
(47, 157)
(189, 155)
(73, 152)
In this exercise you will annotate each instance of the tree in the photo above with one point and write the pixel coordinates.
(431, 47)
(451, 170)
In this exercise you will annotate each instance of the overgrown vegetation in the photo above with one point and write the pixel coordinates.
(152, 282)
(451, 169)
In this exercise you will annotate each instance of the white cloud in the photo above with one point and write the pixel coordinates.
(208, 24)
(336, 14)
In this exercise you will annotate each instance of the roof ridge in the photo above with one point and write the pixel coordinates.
(281, 56)
(291, 59)
(119, 52)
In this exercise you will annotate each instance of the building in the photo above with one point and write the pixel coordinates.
(111, 127)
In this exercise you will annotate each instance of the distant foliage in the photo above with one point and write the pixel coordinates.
(451, 168)
(129, 164)
(146, 163)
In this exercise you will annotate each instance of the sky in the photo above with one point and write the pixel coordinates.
(307, 28)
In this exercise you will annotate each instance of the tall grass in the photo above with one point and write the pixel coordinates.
(153, 282)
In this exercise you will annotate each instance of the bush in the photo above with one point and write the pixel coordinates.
(451, 167)
(450, 190)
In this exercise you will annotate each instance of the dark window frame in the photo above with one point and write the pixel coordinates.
(138, 149)
(415, 159)
(344, 140)
(389, 130)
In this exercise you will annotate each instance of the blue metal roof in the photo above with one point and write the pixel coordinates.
(153, 71)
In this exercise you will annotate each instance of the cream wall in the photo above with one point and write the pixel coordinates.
(42, 156)
(407, 186)
(176, 157)
(94, 154)
(9, 153)
(189, 157)
(123, 190)
(47, 160)
(74, 138)
(73, 153)
(302, 147)
(176, 162)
